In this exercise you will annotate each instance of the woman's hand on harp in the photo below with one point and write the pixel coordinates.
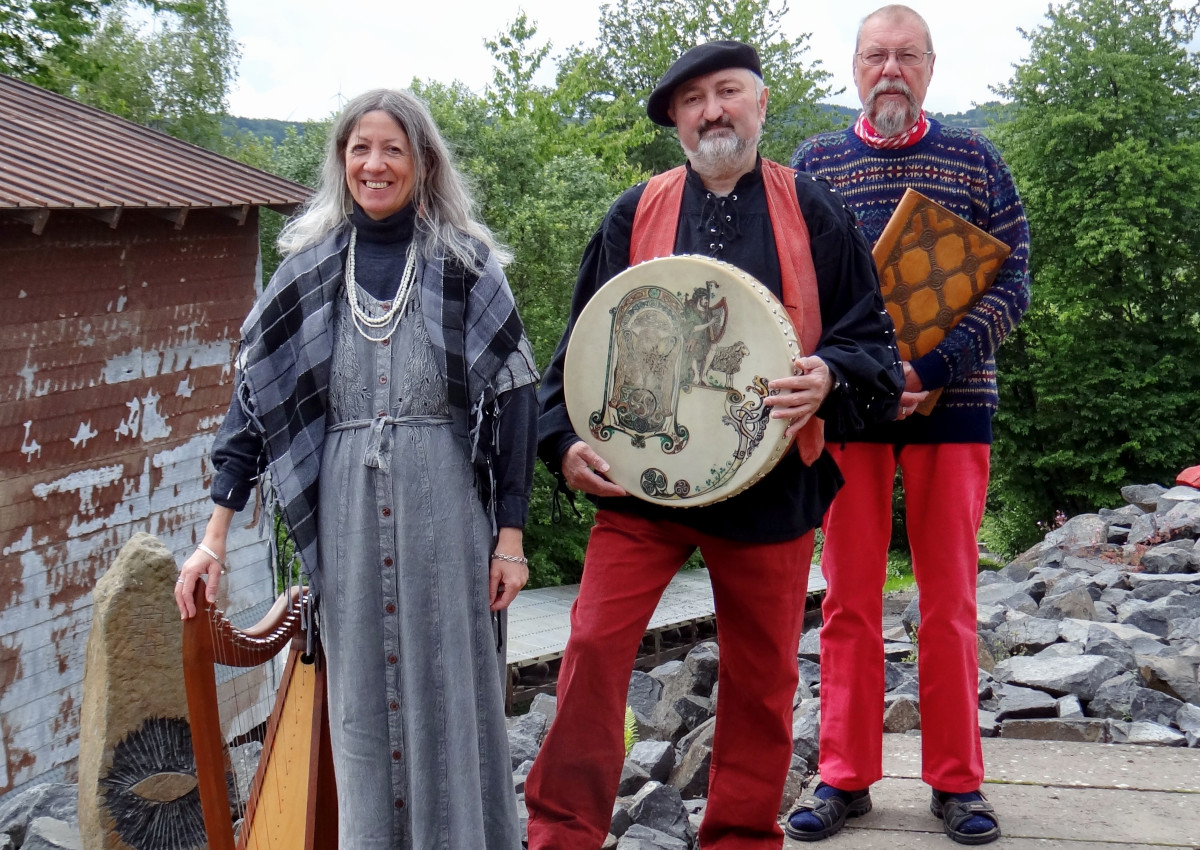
(207, 561)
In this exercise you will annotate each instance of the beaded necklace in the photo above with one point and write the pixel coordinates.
(368, 326)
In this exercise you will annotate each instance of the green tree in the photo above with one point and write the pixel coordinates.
(42, 39)
(172, 72)
(1101, 383)
(605, 87)
(543, 201)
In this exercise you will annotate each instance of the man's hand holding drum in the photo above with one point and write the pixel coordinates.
(584, 471)
(799, 396)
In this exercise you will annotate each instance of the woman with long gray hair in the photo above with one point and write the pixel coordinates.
(385, 382)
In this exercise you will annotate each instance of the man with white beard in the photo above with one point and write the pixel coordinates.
(795, 236)
(944, 456)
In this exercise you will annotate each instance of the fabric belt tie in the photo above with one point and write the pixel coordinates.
(373, 456)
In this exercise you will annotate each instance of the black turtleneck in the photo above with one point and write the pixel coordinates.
(382, 250)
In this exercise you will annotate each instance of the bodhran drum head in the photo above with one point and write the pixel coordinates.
(665, 376)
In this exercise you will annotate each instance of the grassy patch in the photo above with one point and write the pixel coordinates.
(899, 571)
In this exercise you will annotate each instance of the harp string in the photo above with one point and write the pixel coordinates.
(246, 694)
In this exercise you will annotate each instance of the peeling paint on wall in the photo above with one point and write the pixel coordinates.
(30, 448)
(73, 495)
(85, 433)
(144, 420)
(85, 483)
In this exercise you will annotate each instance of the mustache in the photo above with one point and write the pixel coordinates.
(891, 87)
(705, 126)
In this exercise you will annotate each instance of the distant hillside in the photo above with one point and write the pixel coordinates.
(269, 127)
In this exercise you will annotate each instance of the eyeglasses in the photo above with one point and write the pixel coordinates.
(904, 55)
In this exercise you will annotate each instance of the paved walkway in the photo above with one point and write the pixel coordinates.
(539, 621)
(1048, 794)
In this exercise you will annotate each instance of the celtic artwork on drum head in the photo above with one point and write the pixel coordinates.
(666, 374)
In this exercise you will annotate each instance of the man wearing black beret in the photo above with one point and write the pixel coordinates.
(795, 236)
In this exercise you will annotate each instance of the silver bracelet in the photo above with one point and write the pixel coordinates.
(516, 559)
(212, 555)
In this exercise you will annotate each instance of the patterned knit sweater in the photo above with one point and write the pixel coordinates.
(962, 171)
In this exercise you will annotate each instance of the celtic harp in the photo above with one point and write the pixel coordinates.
(292, 800)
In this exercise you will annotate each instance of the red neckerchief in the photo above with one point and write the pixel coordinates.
(914, 134)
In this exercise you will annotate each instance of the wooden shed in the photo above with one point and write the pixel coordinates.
(128, 260)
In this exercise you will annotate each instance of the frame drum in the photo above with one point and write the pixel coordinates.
(665, 375)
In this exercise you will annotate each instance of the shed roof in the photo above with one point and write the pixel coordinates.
(57, 154)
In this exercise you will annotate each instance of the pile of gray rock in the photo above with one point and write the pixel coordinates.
(1091, 635)
(44, 817)
(1094, 634)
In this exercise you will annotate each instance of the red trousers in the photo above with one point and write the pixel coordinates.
(945, 486)
(759, 591)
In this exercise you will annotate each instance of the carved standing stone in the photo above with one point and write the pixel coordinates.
(137, 781)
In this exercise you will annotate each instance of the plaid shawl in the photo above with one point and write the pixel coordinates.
(287, 348)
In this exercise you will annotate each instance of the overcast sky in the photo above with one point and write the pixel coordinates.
(298, 58)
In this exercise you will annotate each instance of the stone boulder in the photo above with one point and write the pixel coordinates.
(1153, 706)
(1173, 557)
(1176, 676)
(138, 744)
(1082, 675)
(901, 715)
(53, 800)
(806, 730)
(1010, 596)
(690, 774)
(660, 807)
(1085, 729)
(1025, 634)
(1079, 532)
(1015, 703)
(639, 837)
(51, 834)
(702, 663)
(1183, 520)
(642, 697)
(1114, 698)
(657, 758)
(1075, 603)
(810, 646)
(633, 778)
(1178, 495)
(1143, 496)
(1146, 734)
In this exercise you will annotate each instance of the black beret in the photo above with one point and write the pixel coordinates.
(700, 60)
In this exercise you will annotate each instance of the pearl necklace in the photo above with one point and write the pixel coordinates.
(390, 320)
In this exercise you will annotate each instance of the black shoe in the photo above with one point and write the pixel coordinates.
(830, 807)
(956, 809)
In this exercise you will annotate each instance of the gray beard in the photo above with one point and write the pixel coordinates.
(719, 155)
(892, 119)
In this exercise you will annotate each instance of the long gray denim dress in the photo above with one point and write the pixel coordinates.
(416, 710)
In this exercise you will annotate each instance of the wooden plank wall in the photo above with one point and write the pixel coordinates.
(116, 347)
